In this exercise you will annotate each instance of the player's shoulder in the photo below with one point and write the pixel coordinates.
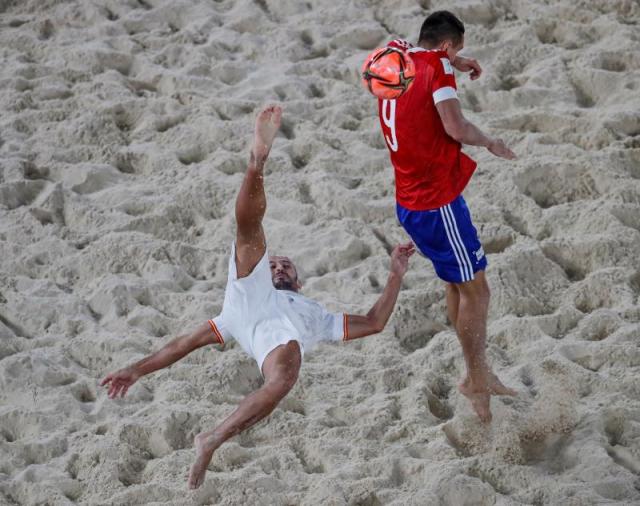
(419, 53)
(405, 45)
(430, 54)
(437, 59)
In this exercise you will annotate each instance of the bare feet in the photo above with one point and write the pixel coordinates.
(205, 445)
(497, 388)
(480, 401)
(267, 125)
(480, 397)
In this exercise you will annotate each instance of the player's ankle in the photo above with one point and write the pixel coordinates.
(257, 161)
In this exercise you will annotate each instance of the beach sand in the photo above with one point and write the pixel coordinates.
(125, 128)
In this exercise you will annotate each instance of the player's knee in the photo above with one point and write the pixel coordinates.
(452, 288)
(289, 381)
(476, 291)
(483, 295)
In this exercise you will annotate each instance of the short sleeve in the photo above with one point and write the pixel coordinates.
(333, 327)
(220, 331)
(443, 84)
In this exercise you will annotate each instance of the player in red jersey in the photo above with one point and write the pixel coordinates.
(424, 130)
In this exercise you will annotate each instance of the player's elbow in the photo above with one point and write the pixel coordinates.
(376, 326)
(455, 130)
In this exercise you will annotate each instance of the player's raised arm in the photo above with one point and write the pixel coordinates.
(465, 132)
(121, 380)
(378, 316)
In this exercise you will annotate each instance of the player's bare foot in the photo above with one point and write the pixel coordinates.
(205, 445)
(267, 125)
(480, 402)
(496, 387)
(480, 397)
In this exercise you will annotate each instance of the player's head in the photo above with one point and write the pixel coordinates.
(442, 30)
(284, 274)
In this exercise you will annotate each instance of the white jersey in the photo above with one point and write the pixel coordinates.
(260, 317)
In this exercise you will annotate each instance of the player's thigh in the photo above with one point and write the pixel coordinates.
(250, 248)
(282, 366)
(476, 288)
(448, 238)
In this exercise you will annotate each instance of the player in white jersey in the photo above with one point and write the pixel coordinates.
(264, 312)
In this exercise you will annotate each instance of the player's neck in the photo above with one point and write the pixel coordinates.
(429, 47)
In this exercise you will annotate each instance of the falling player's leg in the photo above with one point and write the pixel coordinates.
(251, 202)
(280, 369)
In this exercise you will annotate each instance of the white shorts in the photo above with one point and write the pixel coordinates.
(260, 317)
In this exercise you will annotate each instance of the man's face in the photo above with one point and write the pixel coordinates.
(284, 274)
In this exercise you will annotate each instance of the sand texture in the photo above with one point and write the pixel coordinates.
(124, 133)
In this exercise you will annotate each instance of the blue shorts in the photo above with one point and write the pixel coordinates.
(447, 237)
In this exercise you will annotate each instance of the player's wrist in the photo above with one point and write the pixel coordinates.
(395, 274)
(134, 371)
(256, 162)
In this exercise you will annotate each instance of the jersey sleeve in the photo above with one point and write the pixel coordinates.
(221, 332)
(332, 326)
(443, 84)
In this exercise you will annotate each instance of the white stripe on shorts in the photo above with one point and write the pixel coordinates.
(464, 254)
(454, 246)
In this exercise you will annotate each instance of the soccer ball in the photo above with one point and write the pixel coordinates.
(388, 72)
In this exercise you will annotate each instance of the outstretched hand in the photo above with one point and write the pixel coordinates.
(464, 64)
(120, 381)
(499, 148)
(400, 258)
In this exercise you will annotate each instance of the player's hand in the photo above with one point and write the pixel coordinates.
(400, 258)
(120, 381)
(464, 64)
(499, 148)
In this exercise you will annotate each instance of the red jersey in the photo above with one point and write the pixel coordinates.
(430, 168)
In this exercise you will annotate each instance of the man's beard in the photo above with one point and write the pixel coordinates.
(283, 283)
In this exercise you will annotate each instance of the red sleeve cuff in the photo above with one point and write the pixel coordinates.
(216, 332)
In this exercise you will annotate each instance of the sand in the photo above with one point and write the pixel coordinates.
(124, 135)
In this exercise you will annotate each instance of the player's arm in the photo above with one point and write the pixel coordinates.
(465, 132)
(378, 316)
(465, 64)
(120, 381)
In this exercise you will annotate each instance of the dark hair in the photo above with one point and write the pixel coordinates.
(440, 26)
